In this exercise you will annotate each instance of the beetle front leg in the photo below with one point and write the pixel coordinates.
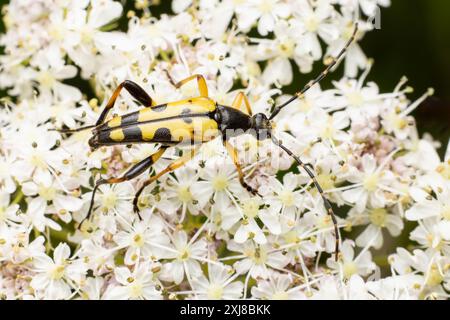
(234, 156)
(173, 166)
(133, 172)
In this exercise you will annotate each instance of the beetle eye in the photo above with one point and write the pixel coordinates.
(217, 116)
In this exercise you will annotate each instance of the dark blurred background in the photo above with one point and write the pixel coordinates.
(414, 40)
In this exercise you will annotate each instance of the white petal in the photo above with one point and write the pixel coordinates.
(444, 230)
(370, 236)
(271, 221)
(101, 15)
(241, 234)
(68, 202)
(369, 163)
(353, 195)
(394, 224)
(122, 274)
(62, 252)
(422, 211)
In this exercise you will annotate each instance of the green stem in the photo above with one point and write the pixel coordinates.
(164, 56)
(381, 261)
(48, 245)
(37, 233)
(18, 197)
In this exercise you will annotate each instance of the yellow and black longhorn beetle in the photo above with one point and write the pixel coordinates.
(175, 123)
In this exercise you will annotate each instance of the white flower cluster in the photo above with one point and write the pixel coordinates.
(202, 235)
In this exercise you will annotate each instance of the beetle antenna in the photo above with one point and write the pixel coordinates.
(321, 76)
(326, 203)
(72, 130)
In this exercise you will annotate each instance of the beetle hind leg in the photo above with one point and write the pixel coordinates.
(132, 173)
(136, 92)
(174, 165)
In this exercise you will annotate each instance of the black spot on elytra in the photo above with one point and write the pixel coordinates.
(186, 111)
(162, 134)
(187, 120)
(132, 133)
(160, 108)
(130, 118)
(103, 137)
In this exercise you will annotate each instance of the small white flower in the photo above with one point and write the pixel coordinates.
(182, 193)
(35, 215)
(428, 206)
(7, 183)
(350, 265)
(220, 182)
(8, 213)
(142, 239)
(114, 200)
(138, 284)
(266, 12)
(51, 274)
(49, 190)
(369, 183)
(395, 288)
(244, 216)
(331, 288)
(98, 258)
(219, 284)
(92, 288)
(278, 287)
(50, 75)
(314, 22)
(432, 233)
(186, 255)
(376, 219)
(257, 259)
(283, 197)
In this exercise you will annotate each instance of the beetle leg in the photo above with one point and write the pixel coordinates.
(133, 172)
(234, 156)
(237, 103)
(174, 165)
(136, 92)
(201, 82)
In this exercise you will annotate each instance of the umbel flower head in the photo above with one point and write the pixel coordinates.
(200, 234)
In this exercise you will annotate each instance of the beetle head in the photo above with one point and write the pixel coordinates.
(261, 125)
